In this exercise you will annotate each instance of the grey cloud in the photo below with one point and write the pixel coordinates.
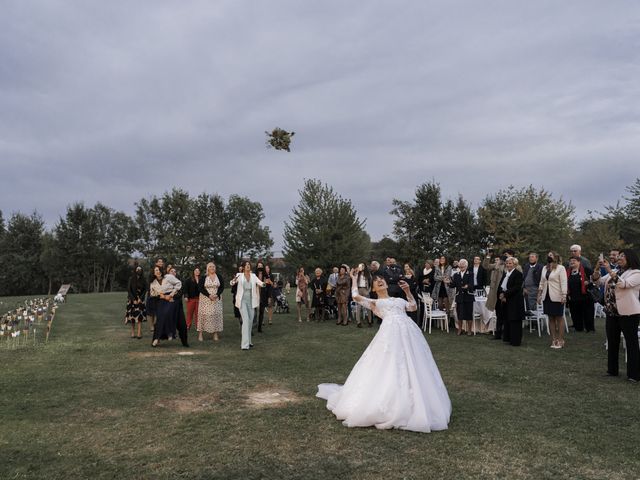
(113, 101)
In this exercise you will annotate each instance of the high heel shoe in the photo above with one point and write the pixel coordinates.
(154, 344)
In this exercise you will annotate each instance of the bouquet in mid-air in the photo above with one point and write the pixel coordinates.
(279, 139)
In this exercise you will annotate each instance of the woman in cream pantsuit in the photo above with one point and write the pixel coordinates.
(247, 300)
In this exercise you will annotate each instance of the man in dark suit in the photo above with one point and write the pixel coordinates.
(532, 272)
(392, 274)
(511, 302)
(479, 274)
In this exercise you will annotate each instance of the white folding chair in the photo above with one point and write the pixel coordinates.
(539, 317)
(431, 313)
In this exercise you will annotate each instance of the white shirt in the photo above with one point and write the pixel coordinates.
(475, 274)
(503, 285)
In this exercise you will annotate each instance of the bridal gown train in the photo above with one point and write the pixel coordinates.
(395, 383)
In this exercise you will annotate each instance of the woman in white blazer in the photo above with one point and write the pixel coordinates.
(622, 306)
(247, 300)
(552, 292)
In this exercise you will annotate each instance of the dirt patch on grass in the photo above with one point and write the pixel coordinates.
(270, 397)
(189, 404)
(166, 353)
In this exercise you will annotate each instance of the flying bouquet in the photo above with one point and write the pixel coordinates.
(279, 139)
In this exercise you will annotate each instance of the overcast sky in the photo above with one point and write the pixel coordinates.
(114, 101)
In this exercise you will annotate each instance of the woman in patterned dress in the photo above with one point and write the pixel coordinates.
(302, 297)
(342, 294)
(210, 311)
(136, 311)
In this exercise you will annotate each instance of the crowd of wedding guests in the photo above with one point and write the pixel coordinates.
(159, 299)
(512, 291)
(548, 286)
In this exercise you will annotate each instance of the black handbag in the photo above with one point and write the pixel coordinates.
(594, 293)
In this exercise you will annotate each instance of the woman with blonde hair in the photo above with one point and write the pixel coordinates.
(553, 294)
(210, 314)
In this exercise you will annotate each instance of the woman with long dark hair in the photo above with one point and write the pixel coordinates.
(263, 272)
(396, 383)
(165, 288)
(302, 295)
(192, 293)
(342, 294)
(622, 306)
(442, 279)
(234, 290)
(266, 295)
(152, 301)
(136, 311)
(364, 287)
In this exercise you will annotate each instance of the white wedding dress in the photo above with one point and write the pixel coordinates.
(395, 383)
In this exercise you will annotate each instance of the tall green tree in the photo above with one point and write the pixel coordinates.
(465, 237)
(384, 248)
(598, 235)
(630, 227)
(52, 262)
(166, 226)
(245, 235)
(95, 243)
(429, 226)
(324, 229)
(20, 249)
(527, 219)
(419, 226)
(189, 230)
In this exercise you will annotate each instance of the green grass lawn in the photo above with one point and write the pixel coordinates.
(93, 403)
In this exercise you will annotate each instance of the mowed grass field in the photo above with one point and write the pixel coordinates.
(93, 403)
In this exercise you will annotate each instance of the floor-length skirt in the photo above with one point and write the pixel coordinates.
(166, 313)
(394, 384)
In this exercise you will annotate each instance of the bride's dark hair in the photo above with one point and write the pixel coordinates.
(374, 277)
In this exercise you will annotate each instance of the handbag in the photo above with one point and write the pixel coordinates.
(594, 293)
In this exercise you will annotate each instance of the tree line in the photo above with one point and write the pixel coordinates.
(92, 247)
(324, 228)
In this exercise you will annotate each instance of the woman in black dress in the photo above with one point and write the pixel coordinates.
(265, 296)
(136, 311)
(577, 281)
(410, 278)
(318, 289)
(465, 296)
(234, 290)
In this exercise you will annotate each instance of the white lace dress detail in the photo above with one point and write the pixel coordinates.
(395, 383)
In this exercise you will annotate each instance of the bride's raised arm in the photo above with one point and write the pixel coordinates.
(412, 306)
(364, 301)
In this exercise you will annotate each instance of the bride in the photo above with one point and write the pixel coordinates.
(396, 383)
